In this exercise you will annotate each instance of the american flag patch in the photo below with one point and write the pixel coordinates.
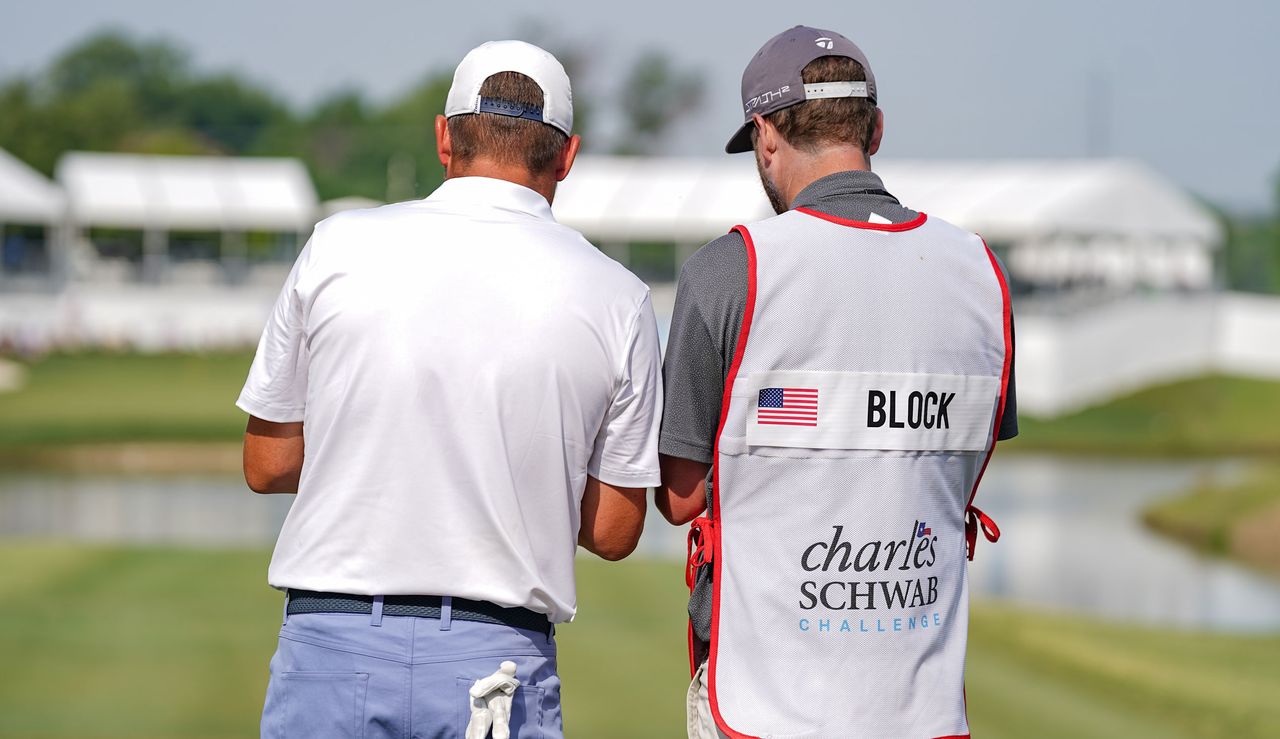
(787, 406)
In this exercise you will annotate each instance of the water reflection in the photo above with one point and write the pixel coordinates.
(1072, 538)
(169, 509)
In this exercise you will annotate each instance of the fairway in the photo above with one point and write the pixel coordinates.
(108, 397)
(128, 642)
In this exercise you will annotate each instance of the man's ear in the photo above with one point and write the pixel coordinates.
(874, 145)
(444, 147)
(767, 138)
(567, 156)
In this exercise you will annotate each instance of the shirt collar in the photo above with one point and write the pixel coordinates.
(841, 184)
(494, 193)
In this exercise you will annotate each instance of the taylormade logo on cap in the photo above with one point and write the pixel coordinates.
(537, 64)
(773, 79)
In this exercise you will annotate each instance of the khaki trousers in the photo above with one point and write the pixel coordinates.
(701, 724)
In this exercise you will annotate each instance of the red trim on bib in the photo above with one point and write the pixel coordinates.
(974, 518)
(738, 353)
(700, 550)
(916, 222)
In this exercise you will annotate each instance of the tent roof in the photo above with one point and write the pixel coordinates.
(1030, 199)
(350, 202)
(26, 196)
(197, 193)
(659, 199)
(625, 199)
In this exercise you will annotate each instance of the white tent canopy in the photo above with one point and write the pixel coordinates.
(1113, 222)
(1035, 199)
(194, 193)
(26, 196)
(678, 199)
(638, 199)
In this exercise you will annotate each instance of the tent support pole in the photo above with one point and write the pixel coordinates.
(155, 254)
(235, 256)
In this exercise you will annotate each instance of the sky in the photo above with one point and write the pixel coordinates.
(1191, 89)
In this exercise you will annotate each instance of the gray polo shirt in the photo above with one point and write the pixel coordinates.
(711, 298)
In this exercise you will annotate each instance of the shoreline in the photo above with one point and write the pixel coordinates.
(209, 456)
(141, 457)
(1240, 521)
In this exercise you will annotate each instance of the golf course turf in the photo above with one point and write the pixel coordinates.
(151, 642)
(113, 641)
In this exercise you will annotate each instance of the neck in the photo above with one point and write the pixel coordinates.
(543, 184)
(812, 167)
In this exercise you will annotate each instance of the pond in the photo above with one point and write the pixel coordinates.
(1072, 538)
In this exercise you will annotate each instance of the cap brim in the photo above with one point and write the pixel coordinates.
(741, 140)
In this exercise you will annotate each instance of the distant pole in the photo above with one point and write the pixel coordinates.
(155, 254)
(402, 176)
(1098, 115)
(235, 256)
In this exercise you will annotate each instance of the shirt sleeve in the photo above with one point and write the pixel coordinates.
(711, 298)
(626, 450)
(1009, 421)
(276, 389)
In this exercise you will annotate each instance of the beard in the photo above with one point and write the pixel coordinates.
(779, 204)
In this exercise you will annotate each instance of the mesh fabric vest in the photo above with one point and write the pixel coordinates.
(860, 411)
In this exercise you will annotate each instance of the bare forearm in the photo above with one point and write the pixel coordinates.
(612, 519)
(682, 496)
(273, 456)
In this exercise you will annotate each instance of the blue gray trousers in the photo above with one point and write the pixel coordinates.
(349, 675)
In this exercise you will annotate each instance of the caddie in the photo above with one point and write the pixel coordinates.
(836, 379)
(460, 390)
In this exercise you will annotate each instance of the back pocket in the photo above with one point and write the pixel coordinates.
(324, 704)
(526, 709)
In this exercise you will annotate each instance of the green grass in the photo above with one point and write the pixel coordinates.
(1203, 417)
(92, 398)
(116, 642)
(87, 398)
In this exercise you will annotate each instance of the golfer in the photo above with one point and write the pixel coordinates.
(460, 390)
(839, 375)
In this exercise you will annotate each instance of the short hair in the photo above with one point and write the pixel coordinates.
(507, 139)
(813, 123)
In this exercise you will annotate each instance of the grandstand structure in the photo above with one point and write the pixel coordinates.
(1112, 265)
(1061, 225)
(32, 213)
(186, 220)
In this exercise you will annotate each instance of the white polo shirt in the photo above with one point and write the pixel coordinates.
(461, 363)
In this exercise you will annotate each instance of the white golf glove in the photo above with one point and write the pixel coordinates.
(491, 703)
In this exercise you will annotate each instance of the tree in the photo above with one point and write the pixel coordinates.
(227, 111)
(655, 94)
(155, 71)
(112, 92)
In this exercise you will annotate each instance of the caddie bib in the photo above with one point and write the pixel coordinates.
(859, 413)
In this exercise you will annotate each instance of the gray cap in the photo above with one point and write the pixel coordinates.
(773, 81)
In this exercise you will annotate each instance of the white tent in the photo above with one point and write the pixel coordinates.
(29, 205)
(351, 202)
(638, 199)
(26, 196)
(1114, 222)
(193, 193)
(158, 195)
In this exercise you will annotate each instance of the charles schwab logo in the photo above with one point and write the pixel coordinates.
(878, 576)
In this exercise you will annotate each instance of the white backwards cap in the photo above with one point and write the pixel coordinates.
(537, 64)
